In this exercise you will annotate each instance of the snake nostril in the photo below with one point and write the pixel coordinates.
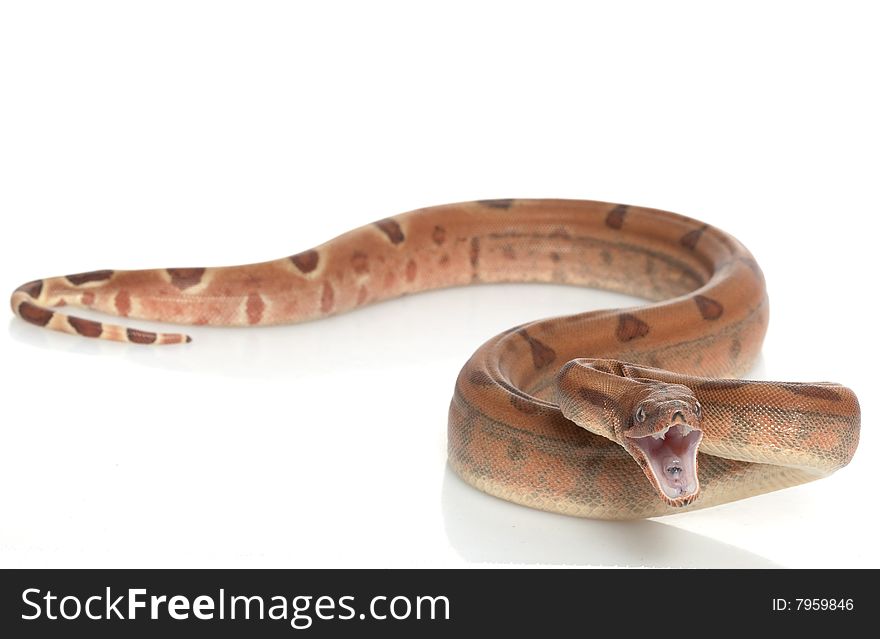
(678, 415)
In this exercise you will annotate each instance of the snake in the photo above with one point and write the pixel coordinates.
(623, 413)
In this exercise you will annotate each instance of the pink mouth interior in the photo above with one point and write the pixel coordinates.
(673, 459)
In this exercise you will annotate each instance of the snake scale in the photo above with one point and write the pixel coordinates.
(615, 414)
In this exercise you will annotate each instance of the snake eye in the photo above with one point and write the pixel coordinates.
(640, 414)
(698, 410)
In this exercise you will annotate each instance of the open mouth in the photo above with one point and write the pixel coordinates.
(672, 458)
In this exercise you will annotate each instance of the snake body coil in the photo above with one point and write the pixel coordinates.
(652, 423)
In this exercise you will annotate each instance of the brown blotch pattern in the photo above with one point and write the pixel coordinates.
(35, 314)
(140, 337)
(516, 451)
(392, 229)
(254, 308)
(439, 235)
(812, 390)
(411, 270)
(32, 288)
(629, 327)
(709, 308)
(183, 278)
(86, 328)
(497, 204)
(122, 301)
(307, 261)
(735, 348)
(542, 355)
(444, 260)
(508, 252)
(690, 239)
(475, 252)
(616, 216)
(92, 276)
(328, 296)
(360, 262)
(524, 406)
(554, 256)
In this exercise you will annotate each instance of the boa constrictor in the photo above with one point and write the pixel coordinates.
(654, 422)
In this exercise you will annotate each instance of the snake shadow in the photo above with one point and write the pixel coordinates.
(484, 529)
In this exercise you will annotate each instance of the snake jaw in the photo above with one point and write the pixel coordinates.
(669, 458)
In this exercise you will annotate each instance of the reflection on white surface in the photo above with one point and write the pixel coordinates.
(484, 529)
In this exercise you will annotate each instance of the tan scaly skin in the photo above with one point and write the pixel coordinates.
(531, 420)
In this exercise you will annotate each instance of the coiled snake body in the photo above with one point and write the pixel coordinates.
(652, 423)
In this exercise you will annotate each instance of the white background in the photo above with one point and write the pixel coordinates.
(192, 133)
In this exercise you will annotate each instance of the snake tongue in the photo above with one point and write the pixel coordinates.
(672, 461)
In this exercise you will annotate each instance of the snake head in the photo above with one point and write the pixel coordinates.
(662, 433)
